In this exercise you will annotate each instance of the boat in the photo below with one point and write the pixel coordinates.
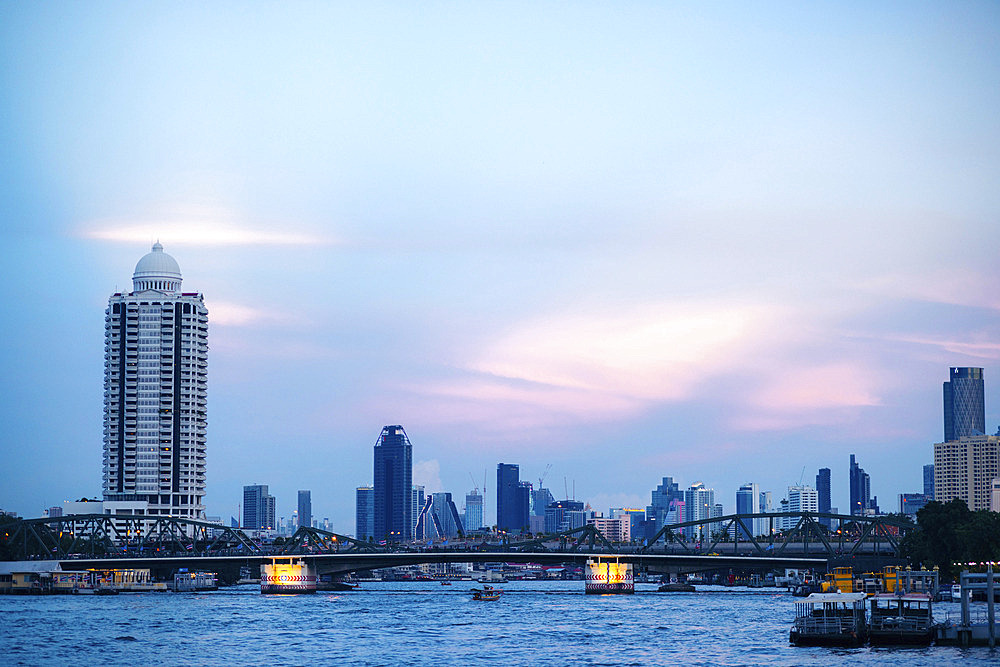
(486, 593)
(676, 587)
(956, 593)
(830, 619)
(446, 583)
(901, 619)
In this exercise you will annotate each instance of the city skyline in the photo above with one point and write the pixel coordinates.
(718, 244)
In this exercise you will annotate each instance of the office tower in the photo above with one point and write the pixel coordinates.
(911, 503)
(393, 485)
(823, 489)
(305, 508)
(155, 389)
(802, 498)
(540, 499)
(364, 512)
(995, 495)
(860, 489)
(662, 497)
(447, 521)
(699, 503)
(416, 504)
(929, 481)
(258, 508)
(964, 404)
(473, 510)
(748, 502)
(965, 469)
(766, 501)
(513, 499)
(557, 519)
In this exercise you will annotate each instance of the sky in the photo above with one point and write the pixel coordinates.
(722, 242)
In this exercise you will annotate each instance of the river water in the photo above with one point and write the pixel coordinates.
(424, 623)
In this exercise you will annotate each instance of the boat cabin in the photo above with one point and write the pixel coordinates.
(830, 619)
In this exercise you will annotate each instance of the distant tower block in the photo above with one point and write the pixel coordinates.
(605, 576)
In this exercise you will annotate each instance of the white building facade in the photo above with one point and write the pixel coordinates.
(155, 393)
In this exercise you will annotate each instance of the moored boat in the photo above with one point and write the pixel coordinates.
(830, 619)
(901, 619)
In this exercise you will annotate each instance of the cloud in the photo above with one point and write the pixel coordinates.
(833, 385)
(965, 287)
(428, 474)
(208, 231)
(985, 349)
(658, 352)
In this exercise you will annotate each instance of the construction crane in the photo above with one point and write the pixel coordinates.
(542, 477)
(475, 484)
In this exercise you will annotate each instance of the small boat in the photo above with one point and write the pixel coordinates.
(105, 591)
(676, 587)
(901, 619)
(830, 619)
(446, 583)
(486, 593)
(956, 593)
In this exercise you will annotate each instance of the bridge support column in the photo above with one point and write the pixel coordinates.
(287, 575)
(607, 575)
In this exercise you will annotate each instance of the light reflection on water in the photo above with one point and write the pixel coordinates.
(424, 623)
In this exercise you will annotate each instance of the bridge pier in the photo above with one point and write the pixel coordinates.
(604, 575)
(287, 575)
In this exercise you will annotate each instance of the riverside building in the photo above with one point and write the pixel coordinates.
(155, 393)
(965, 468)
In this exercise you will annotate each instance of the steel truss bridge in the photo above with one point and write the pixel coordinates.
(168, 543)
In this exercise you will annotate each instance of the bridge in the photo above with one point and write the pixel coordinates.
(165, 544)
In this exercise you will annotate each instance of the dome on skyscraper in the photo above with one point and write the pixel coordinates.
(157, 270)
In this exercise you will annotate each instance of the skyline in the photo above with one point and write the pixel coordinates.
(719, 244)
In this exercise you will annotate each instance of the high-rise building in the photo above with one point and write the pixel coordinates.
(929, 480)
(965, 469)
(447, 521)
(416, 504)
(557, 519)
(802, 498)
(540, 499)
(364, 512)
(662, 496)
(305, 508)
(473, 510)
(964, 404)
(393, 485)
(513, 498)
(911, 503)
(699, 503)
(823, 490)
(258, 508)
(155, 392)
(860, 489)
(748, 502)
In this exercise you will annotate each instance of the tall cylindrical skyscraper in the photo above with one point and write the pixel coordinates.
(155, 392)
(964, 404)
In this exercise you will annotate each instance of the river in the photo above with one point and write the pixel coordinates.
(424, 623)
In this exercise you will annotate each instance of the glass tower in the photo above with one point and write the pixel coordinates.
(305, 509)
(964, 404)
(393, 485)
(513, 499)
